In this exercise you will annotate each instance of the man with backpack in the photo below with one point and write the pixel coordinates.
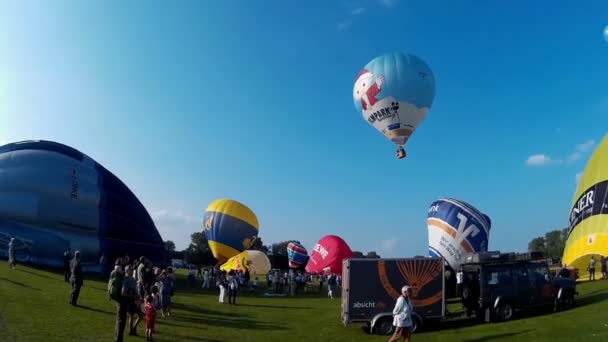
(115, 293)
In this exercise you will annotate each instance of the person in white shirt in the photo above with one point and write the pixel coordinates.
(402, 314)
(206, 279)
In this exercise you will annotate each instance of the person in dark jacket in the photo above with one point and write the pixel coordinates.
(67, 258)
(76, 278)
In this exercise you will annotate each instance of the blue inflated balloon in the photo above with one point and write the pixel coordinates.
(395, 92)
(456, 229)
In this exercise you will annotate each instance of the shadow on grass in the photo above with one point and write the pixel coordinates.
(236, 323)
(20, 284)
(36, 274)
(281, 307)
(200, 310)
(494, 337)
(96, 310)
(189, 338)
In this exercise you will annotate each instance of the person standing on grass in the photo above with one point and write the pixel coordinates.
(331, 283)
(67, 257)
(206, 279)
(129, 295)
(603, 267)
(12, 262)
(165, 294)
(150, 318)
(591, 268)
(76, 278)
(233, 285)
(402, 314)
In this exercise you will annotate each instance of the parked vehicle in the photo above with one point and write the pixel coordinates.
(371, 287)
(495, 285)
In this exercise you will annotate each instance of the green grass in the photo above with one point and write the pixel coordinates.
(34, 307)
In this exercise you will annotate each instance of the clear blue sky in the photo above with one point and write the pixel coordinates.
(194, 100)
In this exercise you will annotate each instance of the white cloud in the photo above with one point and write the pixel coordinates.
(579, 152)
(387, 3)
(540, 160)
(359, 10)
(176, 226)
(581, 149)
(3, 142)
(344, 25)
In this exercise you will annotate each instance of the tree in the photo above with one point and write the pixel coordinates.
(372, 255)
(170, 246)
(258, 245)
(357, 254)
(199, 253)
(555, 242)
(537, 245)
(552, 244)
(279, 258)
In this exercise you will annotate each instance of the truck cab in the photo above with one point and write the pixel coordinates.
(495, 285)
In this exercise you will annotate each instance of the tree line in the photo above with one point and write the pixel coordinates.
(552, 244)
(198, 252)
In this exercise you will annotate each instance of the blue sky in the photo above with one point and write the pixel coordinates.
(197, 100)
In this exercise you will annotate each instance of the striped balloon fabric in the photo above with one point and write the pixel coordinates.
(296, 254)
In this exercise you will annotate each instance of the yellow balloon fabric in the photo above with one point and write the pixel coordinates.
(588, 231)
(255, 261)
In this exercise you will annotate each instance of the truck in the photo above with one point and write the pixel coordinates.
(495, 285)
(370, 288)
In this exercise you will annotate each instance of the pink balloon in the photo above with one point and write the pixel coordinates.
(327, 255)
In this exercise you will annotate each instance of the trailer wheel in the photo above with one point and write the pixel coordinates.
(384, 326)
(417, 324)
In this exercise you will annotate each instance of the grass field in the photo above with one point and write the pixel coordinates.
(34, 307)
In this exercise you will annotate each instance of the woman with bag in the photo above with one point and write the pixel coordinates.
(403, 316)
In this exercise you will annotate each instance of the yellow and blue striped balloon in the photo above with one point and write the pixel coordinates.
(230, 227)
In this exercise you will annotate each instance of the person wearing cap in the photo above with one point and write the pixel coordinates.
(402, 314)
(76, 278)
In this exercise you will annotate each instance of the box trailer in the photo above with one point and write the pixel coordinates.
(371, 287)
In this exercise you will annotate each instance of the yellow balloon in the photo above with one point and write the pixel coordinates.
(255, 261)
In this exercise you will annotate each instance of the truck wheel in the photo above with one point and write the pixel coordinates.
(504, 312)
(566, 302)
(384, 326)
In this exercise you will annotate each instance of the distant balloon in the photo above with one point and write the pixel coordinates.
(395, 92)
(297, 255)
(255, 261)
(606, 33)
(327, 255)
(53, 196)
(230, 227)
(456, 229)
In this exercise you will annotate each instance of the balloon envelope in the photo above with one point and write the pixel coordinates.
(255, 261)
(297, 255)
(588, 221)
(53, 196)
(327, 255)
(230, 227)
(394, 92)
(456, 229)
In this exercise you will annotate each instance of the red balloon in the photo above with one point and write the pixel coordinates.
(327, 255)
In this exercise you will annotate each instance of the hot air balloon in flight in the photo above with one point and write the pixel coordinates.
(395, 92)
(230, 227)
(327, 255)
(297, 255)
(456, 229)
(588, 226)
(255, 261)
(53, 196)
